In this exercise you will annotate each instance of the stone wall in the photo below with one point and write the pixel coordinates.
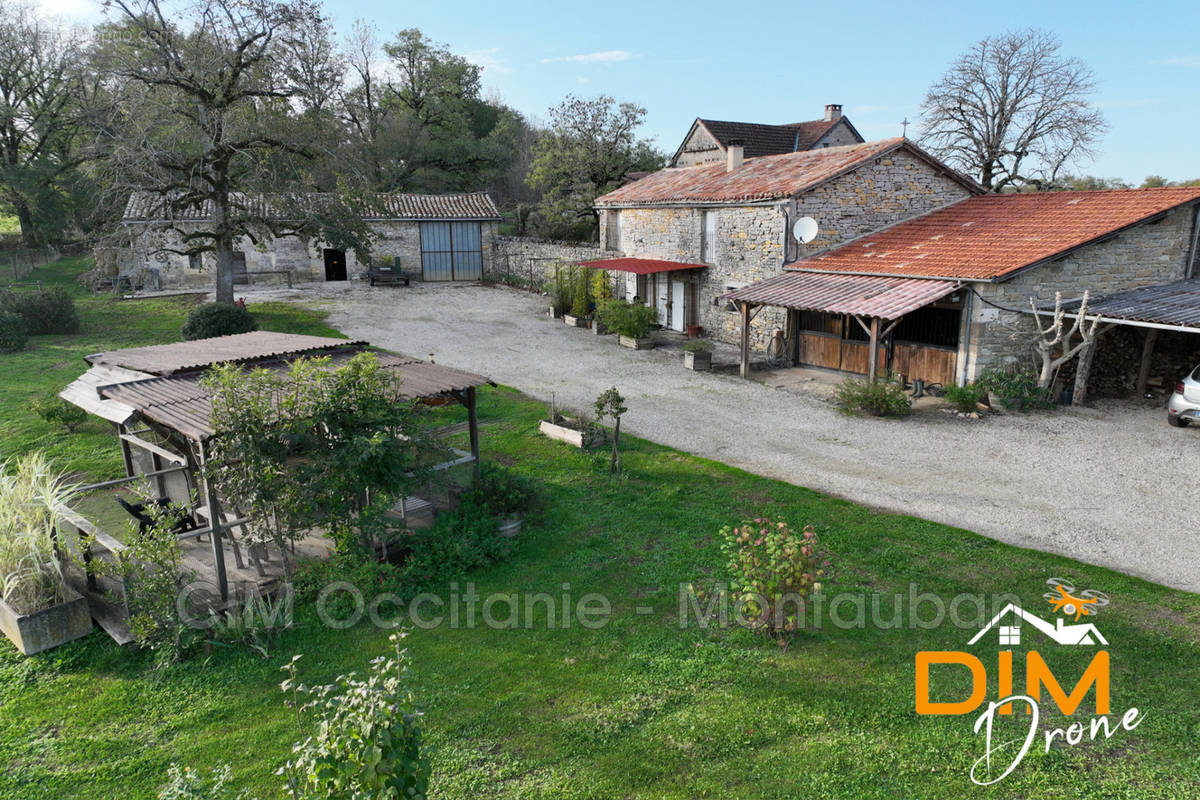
(534, 260)
(303, 259)
(700, 148)
(749, 242)
(837, 136)
(1142, 256)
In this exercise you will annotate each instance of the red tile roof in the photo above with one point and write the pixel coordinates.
(640, 266)
(862, 295)
(993, 236)
(759, 179)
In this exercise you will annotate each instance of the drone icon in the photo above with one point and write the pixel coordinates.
(1087, 603)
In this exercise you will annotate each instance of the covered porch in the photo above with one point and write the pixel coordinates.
(161, 414)
(670, 287)
(860, 324)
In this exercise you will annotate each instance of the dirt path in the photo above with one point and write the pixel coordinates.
(1111, 485)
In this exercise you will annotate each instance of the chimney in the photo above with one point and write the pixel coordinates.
(833, 111)
(734, 154)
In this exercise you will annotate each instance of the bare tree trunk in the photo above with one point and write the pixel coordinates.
(223, 250)
(25, 217)
(615, 466)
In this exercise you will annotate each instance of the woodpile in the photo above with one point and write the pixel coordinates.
(1118, 357)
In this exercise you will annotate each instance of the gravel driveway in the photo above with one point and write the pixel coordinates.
(1111, 485)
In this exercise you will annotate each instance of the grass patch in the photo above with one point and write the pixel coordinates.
(639, 708)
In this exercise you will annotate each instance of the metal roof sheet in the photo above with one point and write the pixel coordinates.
(1173, 304)
(147, 206)
(167, 359)
(180, 403)
(640, 266)
(860, 295)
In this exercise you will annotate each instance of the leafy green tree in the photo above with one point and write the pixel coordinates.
(1089, 183)
(611, 404)
(590, 147)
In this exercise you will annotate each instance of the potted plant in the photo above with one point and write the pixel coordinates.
(38, 610)
(695, 331)
(697, 354)
(504, 494)
(558, 291)
(581, 301)
(630, 321)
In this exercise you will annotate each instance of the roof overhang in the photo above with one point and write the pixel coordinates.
(1165, 306)
(858, 295)
(640, 266)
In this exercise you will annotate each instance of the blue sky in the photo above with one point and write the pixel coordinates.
(782, 61)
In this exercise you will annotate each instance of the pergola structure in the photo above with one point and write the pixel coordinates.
(876, 303)
(156, 393)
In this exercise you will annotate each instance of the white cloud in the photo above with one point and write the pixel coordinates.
(1179, 61)
(80, 12)
(603, 57)
(488, 59)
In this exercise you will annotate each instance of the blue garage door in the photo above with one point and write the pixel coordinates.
(451, 251)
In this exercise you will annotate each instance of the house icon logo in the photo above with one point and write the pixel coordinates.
(1009, 622)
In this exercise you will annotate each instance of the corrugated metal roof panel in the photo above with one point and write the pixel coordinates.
(147, 206)
(167, 359)
(640, 266)
(861, 295)
(180, 402)
(1176, 304)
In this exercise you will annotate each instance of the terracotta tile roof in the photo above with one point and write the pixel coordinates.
(759, 179)
(167, 359)
(993, 236)
(769, 140)
(861, 295)
(143, 206)
(180, 403)
(640, 266)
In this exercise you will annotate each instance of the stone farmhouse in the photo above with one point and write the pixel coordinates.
(434, 237)
(913, 269)
(708, 140)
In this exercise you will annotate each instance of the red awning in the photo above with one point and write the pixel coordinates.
(640, 266)
(860, 295)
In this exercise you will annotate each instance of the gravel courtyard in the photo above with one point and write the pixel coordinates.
(1110, 485)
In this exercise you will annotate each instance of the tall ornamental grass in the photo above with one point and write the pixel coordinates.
(30, 570)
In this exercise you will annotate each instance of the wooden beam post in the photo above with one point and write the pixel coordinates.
(1147, 351)
(873, 356)
(745, 344)
(126, 454)
(214, 510)
(473, 427)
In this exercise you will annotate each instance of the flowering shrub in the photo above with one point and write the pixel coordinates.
(772, 572)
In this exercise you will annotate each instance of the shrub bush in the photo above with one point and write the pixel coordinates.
(13, 333)
(966, 398)
(501, 492)
(46, 311)
(581, 296)
(770, 568)
(217, 319)
(57, 411)
(882, 398)
(1016, 387)
(627, 319)
(697, 346)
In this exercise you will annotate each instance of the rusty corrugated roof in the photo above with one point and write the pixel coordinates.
(181, 404)
(860, 295)
(167, 359)
(640, 266)
(147, 206)
(1173, 304)
(989, 237)
(764, 178)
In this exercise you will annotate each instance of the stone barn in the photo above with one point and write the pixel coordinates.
(442, 237)
(708, 140)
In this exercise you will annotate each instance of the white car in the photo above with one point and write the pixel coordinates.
(1184, 406)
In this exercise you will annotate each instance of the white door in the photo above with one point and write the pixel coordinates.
(660, 298)
(678, 304)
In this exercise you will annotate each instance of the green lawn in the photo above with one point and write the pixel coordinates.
(638, 708)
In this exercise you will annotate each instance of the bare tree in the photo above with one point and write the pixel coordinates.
(1013, 111)
(40, 83)
(204, 119)
(1053, 342)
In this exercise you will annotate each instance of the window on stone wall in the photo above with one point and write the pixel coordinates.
(195, 261)
(451, 251)
(612, 230)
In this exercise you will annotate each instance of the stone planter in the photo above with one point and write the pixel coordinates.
(697, 361)
(510, 526)
(645, 343)
(599, 328)
(561, 433)
(50, 627)
(553, 313)
(574, 321)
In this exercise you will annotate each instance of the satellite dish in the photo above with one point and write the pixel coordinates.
(805, 229)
